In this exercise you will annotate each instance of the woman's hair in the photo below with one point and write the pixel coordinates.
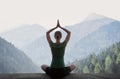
(58, 34)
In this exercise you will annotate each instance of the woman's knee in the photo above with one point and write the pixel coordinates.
(43, 67)
(72, 67)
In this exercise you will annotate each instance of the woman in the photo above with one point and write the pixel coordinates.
(57, 68)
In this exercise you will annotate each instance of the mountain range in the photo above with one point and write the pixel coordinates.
(95, 33)
(24, 34)
(13, 60)
(98, 40)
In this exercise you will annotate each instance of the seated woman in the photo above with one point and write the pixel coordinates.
(57, 68)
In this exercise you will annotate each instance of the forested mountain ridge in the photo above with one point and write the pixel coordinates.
(108, 61)
(12, 60)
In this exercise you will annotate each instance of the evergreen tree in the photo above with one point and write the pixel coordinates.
(97, 68)
(93, 59)
(108, 64)
(91, 68)
(118, 59)
(115, 49)
(85, 69)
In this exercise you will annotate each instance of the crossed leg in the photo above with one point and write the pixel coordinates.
(72, 67)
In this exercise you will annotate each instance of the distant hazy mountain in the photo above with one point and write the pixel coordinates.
(13, 60)
(89, 25)
(24, 34)
(84, 38)
(39, 51)
(78, 31)
(97, 40)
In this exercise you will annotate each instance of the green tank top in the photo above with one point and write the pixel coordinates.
(57, 51)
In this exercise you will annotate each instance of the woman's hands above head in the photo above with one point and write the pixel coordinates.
(58, 24)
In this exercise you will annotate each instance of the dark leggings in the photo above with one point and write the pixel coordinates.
(57, 72)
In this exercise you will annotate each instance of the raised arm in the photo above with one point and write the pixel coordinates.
(48, 34)
(67, 31)
(68, 34)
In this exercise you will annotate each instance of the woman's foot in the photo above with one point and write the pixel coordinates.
(72, 67)
(43, 67)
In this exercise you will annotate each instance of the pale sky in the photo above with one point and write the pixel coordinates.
(14, 13)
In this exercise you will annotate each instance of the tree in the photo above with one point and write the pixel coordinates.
(85, 69)
(91, 68)
(93, 59)
(118, 59)
(108, 64)
(116, 49)
(97, 68)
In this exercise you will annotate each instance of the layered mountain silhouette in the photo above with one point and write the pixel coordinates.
(98, 40)
(12, 60)
(24, 34)
(95, 33)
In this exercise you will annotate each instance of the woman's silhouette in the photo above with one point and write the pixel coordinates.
(57, 68)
